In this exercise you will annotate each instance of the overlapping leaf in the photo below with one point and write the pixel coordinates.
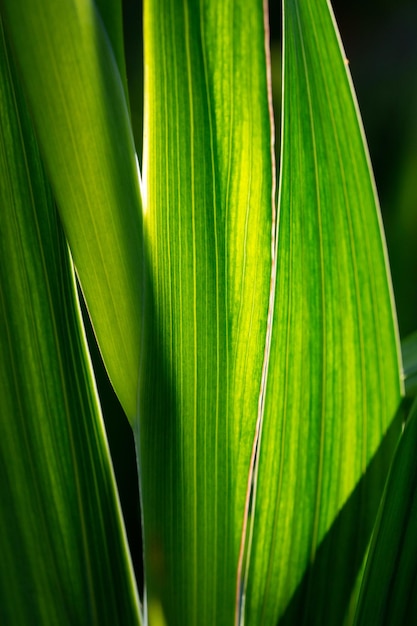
(333, 375)
(64, 552)
(333, 383)
(208, 213)
(78, 103)
(388, 594)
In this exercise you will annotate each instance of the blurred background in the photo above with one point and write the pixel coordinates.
(380, 40)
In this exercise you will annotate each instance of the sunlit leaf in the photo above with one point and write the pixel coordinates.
(208, 212)
(63, 547)
(78, 104)
(334, 377)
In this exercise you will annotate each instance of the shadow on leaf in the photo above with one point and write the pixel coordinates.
(325, 591)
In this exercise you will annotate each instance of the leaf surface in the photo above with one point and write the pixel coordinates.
(77, 100)
(388, 593)
(333, 384)
(409, 354)
(65, 558)
(208, 215)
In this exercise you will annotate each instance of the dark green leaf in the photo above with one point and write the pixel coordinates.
(63, 547)
(389, 590)
(409, 354)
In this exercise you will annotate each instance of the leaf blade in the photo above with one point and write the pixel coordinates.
(81, 117)
(409, 355)
(63, 542)
(208, 180)
(387, 593)
(333, 379)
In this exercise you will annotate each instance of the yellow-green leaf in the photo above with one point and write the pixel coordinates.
(78, 104)
(208, 215)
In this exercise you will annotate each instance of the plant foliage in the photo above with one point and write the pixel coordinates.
(253, 347)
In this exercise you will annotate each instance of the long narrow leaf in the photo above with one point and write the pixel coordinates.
(208, 214)
(334, 377)
(76, 98)
(64, 554)
(388, 594)
(112, 15)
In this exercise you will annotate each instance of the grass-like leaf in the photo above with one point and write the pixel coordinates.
(78, 103)
(63, 547)
(208, 213)
(388, 594)
(334, 378)
(262, 391)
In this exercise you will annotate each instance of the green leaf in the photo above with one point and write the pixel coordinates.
(112, 15)
(409, 354)
(208, 212)
(334, 377)
(64, 552)
(388, 593)
(77, 101)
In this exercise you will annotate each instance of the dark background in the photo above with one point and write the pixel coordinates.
(380, 40)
